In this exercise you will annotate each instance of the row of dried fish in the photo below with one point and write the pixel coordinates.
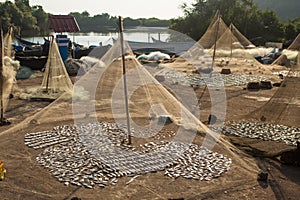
(48, 138)
(215, 80)
(199, 163)
(95, 156)
(264, 131)
(287, 73)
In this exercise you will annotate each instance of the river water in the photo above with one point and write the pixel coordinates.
(140, 34)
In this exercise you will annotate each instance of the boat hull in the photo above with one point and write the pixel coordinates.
(33, 62)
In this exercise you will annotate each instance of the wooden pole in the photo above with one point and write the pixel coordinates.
(124, 79)
(231, 40)
(214, 53)
(1, 78)
(49, 64)
(216, 36)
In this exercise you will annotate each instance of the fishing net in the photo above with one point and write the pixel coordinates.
(231, 48)
(296, 43)
(283, 107)
(56, 80)
(87, 142)
(9, 69)
(213, 33)
(298, 59)
(231, 53)
(240, 37)
(290, 54)
(7, 41)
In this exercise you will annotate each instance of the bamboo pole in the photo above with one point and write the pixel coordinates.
(214, 53)
(49, 64)
(124, 79)
(1, 78)
(231, 40)
(216, 36)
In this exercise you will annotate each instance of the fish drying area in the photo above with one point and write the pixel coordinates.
(217, 80)
(93, 156)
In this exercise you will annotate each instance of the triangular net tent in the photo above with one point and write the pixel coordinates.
(295, 44)
(7, 40)
(231, 51)
(228, 41)
(240, 37)
(289, 56)
(8, 69)
(56, 80)
(90, 153)
(283, 107)
(213, 32)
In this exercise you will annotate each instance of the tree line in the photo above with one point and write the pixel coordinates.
(33, 20)
(287, 9)
(26, 20)
(106, 22)
(257, 25)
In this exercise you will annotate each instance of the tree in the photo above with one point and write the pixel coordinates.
(129, 22)
(273, 28)
(10, 15)
(29, 21)
(42, 18)
(292, 29)
(29, 24)
(286, 10)
(85, 14)
(246, 16)
(26, 20)
(23, 5)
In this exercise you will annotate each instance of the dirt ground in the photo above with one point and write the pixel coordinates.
(27, 180)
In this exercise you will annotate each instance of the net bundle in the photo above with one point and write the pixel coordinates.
(56, 78)
(290, 54)
(7, 42)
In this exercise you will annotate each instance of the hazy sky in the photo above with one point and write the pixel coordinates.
(164, 9)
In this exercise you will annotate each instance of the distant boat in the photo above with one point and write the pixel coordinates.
(33, 62)
(171, 48)
(179, 47)
(24, 42)
(92, 51)
(34, 55)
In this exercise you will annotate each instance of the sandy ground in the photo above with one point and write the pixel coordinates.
(27, 180)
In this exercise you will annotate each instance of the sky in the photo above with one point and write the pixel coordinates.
(163, 9)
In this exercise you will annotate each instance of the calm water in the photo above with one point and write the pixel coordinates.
(87, 39)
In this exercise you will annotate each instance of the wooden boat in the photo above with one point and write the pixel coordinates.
(171, 48)
(179, 47)
(32, 49)
(93, 51)
(33, 62)
(24, 42)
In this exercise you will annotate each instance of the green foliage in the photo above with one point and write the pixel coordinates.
(32, 21)
(10, 14)
(97, 23)
(42, 19)
(23, 5)
(22, 17)
(285, 9)
(257, 25)
(106, 22)
(154, 22)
